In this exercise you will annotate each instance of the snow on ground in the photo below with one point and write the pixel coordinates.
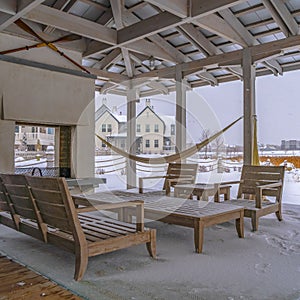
(264, 265)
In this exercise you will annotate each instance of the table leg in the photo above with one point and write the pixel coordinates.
(239, 224)
(198, 235)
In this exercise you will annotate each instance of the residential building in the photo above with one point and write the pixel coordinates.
(33, 138)
(155, 133)
(290, 145)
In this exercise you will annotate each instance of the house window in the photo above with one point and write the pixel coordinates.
(108, 127)
(172, 129)
(155, 143)
(147, 128)
(103, 145)
(103, 127)
(138, 127)
(147, 144)
(156, 128)
(16, 129)
(50, 130)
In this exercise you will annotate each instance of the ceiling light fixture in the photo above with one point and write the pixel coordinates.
(151, 62)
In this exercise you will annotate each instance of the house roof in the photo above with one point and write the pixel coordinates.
(204, 39)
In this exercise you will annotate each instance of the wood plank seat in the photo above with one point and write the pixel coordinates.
(86, 235)
(176, 173)
(260, 192)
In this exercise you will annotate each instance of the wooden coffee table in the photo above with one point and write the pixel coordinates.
(202, 190)
(178, 211)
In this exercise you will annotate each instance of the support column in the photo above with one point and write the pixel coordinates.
(180, 110)
(132, 97)
(249, 104)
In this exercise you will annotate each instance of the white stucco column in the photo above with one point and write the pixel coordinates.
(7, 140)
(249, 104)
(180, 110)
(132, 97)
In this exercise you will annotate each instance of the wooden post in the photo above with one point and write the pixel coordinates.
(249, 104)
(132, 97)
(180, 110)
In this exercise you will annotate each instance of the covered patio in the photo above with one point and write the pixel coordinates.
(54, 55)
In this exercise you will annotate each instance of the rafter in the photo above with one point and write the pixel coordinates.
(238, 27)
(205, 7)
(178, 56)
(199, 39)
(159, 87)
(286, 16)
(62, 20)
(111, 58)
(276, 17)
(24, 8)
(217, 25)
(250, 40)
(176, 7)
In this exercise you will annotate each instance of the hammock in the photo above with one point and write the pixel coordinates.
(170, 158)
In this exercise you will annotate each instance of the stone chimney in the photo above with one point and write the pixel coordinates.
(114, 109)
(104, 101)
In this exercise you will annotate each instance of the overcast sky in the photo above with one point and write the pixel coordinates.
(277, 101)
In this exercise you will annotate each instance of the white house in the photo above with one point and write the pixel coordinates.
(155, 133)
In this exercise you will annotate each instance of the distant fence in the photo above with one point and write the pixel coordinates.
(47, 172)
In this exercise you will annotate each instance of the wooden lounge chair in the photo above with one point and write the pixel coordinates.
(47, 204)
(257, 185)
(176, 173)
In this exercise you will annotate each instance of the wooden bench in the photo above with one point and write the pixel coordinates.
(48, 207)
(176, 173)
(257, 186)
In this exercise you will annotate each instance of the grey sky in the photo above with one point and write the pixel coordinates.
(277, 100)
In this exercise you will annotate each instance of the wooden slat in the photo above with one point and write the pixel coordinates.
(61, 223)
(11, 274)
(52, 209)
(48, 196)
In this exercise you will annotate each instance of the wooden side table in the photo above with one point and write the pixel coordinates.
(202, 190)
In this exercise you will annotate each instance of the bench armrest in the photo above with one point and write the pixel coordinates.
(126, 204)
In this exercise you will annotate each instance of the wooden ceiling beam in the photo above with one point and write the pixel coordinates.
(62, 20)
(286, 16)
(199, 38)
(276, 17)
(230, 58)
(217, 25)
(207, 7)
(175, 7)
(22, 9)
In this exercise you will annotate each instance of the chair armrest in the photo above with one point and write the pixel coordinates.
(141, 179)
(259, 192)
(230, 182)
(270, 185)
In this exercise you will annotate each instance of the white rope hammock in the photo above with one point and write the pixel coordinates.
(177, 157)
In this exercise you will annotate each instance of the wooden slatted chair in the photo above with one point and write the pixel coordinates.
(83, 234)
(257, 185)
(176, 173)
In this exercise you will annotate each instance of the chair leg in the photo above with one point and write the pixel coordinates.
(151, 246)
(254, 221)
(80, 264)
(279, 214)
